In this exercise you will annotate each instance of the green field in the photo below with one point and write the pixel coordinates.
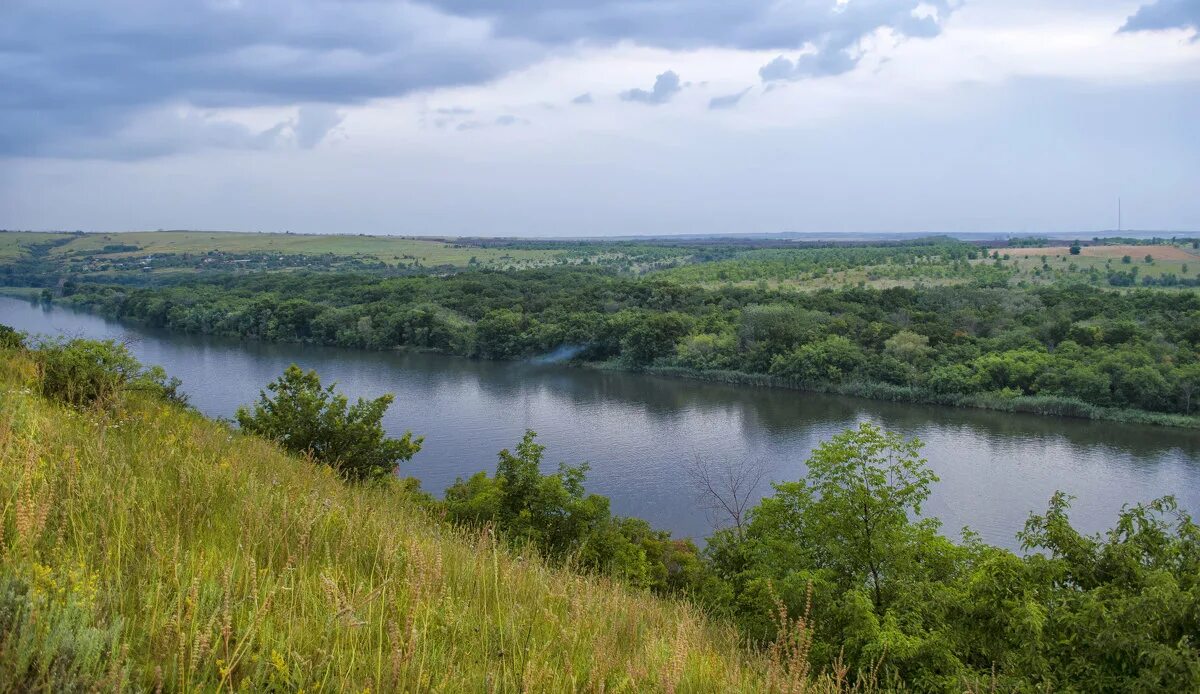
(15, 244)
(388, 249)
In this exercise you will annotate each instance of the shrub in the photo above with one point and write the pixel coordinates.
(306, 418)
(10, 338)
(84, 372)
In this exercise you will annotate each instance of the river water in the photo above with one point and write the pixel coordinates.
(638, 432)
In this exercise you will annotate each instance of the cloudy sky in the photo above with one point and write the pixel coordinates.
(593, 117)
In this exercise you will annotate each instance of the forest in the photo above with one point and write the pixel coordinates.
(1062, 348)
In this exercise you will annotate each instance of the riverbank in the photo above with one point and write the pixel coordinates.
(1045, 405)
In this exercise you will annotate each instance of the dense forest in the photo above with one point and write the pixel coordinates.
(836, 576)
(1064, 348)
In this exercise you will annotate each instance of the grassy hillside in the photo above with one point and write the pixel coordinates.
(16, 244)
(146, 547)
(386, 248)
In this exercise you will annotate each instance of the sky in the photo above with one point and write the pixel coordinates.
(600, 117)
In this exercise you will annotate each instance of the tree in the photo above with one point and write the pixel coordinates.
(1188, 378)
(863, 487)
(1075, 248)
(306, 418)
(498, 335)
(654, 336)
(727, 488)
(827, 360)
(908, 346)
(550, 511)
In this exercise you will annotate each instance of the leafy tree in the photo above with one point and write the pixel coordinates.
(1119, 611)
(306, 418)
(828, 360)
(654, 336)
(1075, 248)
(859, 494)
(908, 346)
(550, 511)
(555, 515)
(499, 334)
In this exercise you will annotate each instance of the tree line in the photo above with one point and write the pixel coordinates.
(1070, 349)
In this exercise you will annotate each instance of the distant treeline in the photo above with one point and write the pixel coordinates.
(1077, 349)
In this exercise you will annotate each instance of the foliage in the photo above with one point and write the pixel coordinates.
(305, 418)
(11, 338)
(1085, 350)
(83, 372)
(555, 516)
(890, 595)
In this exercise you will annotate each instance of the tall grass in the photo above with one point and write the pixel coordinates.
(143, 547)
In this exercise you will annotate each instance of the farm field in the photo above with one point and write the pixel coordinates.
(1154, 261)
(1163, 251)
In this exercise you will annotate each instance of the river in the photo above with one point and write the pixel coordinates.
(637, 432)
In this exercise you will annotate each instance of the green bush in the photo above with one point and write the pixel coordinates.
(554, 515)
(10, 338)
(305, 418)
(84, 372)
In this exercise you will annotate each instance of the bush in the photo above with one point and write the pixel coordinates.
(84, 372)
(305, 418)
(10, 338)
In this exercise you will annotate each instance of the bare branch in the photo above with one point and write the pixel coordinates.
(727, 489)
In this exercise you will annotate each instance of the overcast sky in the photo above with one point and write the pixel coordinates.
(594, 117)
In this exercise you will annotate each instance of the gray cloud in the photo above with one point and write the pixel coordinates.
(1166, 14)
(727, 101)
(823, 63)
(79, 72)
(748, 24)
(313, 123)
(585, 98)
(76, 70)
(666, 86)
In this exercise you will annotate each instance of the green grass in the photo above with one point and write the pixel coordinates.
(15, 244)
(145, 547)
(389, 249)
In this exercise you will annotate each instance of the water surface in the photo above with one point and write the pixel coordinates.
(637, 432)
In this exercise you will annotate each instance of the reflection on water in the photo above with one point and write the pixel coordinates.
(636, 431)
